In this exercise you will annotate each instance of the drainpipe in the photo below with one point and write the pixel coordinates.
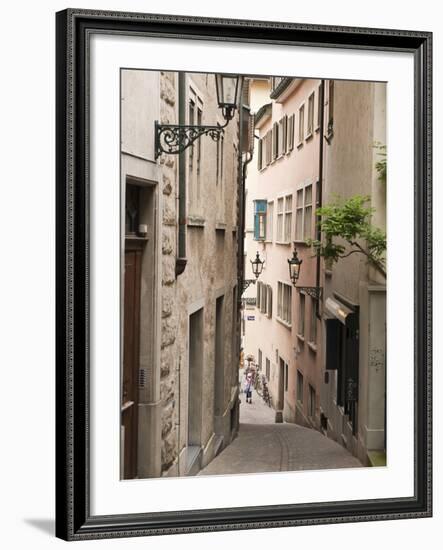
(243, 214)
(320, 189)
(181, 261)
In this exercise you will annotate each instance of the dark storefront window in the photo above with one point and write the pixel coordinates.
(342, 356)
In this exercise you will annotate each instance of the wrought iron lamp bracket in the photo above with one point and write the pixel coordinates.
(173, 139)
(246, 284)
(312, 291)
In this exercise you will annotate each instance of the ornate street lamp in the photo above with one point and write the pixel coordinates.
(294, 264)
(173, 139)
(257, 268)
(228, 90)
(257, 265)
(294, 267)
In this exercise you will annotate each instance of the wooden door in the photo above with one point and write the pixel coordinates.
(131, 351)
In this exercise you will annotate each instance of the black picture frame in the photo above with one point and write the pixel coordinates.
(74, 521)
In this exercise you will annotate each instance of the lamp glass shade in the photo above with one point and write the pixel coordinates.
(294, 267)
(294, 271)
(227, 86)
(257, 266)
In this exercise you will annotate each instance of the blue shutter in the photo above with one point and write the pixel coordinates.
(256, 227)
(260, 207)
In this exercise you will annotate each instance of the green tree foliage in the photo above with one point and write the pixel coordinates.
(381, 165)
(346, 228)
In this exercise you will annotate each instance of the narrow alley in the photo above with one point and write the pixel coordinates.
(264, 446)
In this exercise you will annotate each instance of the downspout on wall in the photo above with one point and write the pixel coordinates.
(181, 260)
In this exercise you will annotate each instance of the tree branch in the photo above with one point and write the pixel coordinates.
(378, 265)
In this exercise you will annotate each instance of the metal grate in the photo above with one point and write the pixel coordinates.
(142, 378)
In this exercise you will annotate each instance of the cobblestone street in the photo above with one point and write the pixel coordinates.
(263, 446)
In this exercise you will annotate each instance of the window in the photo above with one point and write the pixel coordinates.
(263, 298)
(313, 324)
(307, 222)
(132, 208)
(330, 126)
(290, 131)
(260, 154)
(268, 139)
(281, 136)
(299, 386)
(199, 146)
(260, 220)
(284, 303)
(299, 216)
(275, 141)
(260, 359)
(217, 161)
(268, 369)
(258, 294)
(269, 301)
(310, 128)
(222, 159)
(301, 314)
(286, 376)
(284, 219)
(280, 215)
(319, 107)
(303, 221)
(191, 148)
(285, 135)
(311, 401)
(270, 221)
(288, 218)
(301, 125)
(195, 152)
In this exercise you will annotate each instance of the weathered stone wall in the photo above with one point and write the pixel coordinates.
(211, 271)
(169, 183)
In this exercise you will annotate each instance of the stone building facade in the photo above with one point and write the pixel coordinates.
(184, 212)
(354, 301)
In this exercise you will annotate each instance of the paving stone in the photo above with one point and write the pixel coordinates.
(264, 446)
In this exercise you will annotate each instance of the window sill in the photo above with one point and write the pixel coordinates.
(220, 226)
(284, 323)
(301, 242)
(317, 129)
(312, 347)
(286, 243)
(196, 221)
(309, 136)
(301, 337)
(300, 145)
(328, 136)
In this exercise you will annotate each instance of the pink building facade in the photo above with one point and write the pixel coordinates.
(283, 331)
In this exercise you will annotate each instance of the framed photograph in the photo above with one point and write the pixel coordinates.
(243, 274)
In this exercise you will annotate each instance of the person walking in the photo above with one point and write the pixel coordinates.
(249, 382)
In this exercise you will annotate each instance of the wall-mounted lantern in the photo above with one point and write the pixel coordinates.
(294, 267)
(257, 268)
(257, 265)
(173, 139)
(228, 88)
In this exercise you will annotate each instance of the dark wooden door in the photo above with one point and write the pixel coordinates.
(131, 351)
